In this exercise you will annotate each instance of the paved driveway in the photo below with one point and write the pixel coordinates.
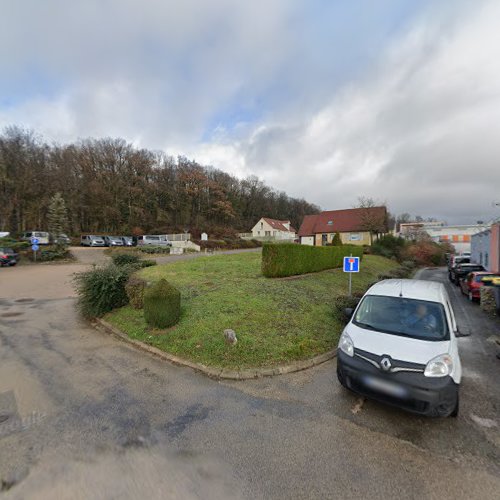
(85, 416)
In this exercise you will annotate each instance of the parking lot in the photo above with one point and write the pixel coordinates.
(82, 412)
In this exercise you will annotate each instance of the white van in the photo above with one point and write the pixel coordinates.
(152, 239)
(89, 240)
(42, 237)
(400, 348)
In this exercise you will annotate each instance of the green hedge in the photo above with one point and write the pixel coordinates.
(288, 259)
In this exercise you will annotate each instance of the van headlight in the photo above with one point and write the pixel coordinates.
(440, 366)
(346, 345)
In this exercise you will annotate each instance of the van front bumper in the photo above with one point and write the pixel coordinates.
(431, 396)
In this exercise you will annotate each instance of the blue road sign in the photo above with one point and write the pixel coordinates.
(34, 248)
(34, 241)
(351, 264)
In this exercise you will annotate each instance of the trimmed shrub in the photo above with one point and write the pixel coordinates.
(14, 244)
(342, 302)
(289, 259)
(389, 246)
(337, 241)
(152, 249)
(162, 305)
(124, 259)
(147, 263)
(102, 289)
(400, 272)
(134, 289)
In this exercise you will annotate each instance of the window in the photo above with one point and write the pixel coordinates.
(268, 233)
(261, 225)
(418, 319)
(324, 239)
(258, 233)
(355, 237)
(486, 260)
(330, 223)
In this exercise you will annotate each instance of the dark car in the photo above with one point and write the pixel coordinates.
(128, 241)
(8, 257)
(462, 270)
(113, 241)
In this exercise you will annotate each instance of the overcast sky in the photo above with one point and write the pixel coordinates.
(325, 99)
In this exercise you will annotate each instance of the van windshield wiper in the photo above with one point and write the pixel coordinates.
(366, 325)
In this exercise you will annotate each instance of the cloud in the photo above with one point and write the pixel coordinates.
(315, 98)
(418, 130)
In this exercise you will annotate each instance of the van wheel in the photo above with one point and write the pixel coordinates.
(454, 413)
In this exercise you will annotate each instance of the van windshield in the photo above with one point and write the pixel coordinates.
(418, 319)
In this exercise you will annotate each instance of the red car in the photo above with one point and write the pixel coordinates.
(471, 284)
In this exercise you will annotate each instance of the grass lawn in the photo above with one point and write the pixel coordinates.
(275, 320)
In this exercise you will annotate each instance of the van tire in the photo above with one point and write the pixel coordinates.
(454, 413)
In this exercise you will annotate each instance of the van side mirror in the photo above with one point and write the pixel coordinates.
(459, 333)
(348, 311)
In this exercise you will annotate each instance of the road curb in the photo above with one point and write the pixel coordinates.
(213, 372)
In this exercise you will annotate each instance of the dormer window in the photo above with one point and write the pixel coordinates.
(330, 223)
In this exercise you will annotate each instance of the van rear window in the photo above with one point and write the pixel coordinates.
(418, 319)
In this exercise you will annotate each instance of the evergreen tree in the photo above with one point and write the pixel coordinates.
(57, 216)
(336, 241)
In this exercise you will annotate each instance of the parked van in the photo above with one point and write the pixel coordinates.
(152, 239)
(42, 237)
(92, 241)
(400, 348)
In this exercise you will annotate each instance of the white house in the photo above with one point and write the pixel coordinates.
(273, 229)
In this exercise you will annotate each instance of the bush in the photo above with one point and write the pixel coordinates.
(14, 244)
(125, 259)
(400, 272)
(49, 254)
(134, 289)
(425, 253)
(288, 259)
(389, 246)
(152, 249)
(102, 289)
(343, 302)
(337, 240)
(147, 263)
(162, 305)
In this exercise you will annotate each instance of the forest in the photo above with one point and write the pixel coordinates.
(110, 186)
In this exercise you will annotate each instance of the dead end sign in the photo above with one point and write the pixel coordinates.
(351, 264)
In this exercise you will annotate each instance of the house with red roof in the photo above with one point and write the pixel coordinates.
(274, 229)
(356, 226)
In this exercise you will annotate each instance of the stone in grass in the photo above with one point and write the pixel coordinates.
(230, 336)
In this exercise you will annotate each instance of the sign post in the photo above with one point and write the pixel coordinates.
(34, 247)
(351, 265)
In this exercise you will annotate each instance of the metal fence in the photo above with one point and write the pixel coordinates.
(178, 237)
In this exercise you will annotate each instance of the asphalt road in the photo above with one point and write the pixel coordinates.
(84, 416)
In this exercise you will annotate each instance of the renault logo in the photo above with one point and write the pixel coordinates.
(385, 364)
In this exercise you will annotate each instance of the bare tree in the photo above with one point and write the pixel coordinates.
(374, 217)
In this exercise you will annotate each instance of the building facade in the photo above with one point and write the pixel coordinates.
(458, 235)
(485, 248)
(273, 229)
(351, 224)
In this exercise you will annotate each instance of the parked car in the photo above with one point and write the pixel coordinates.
(458, 259)
(113, 241)
(42, 237)
(460, 271)
(8, 257)
(128, 241)
(62, 239)
(472, 283)
(400, 348)
(152, 239)
(92, 241)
